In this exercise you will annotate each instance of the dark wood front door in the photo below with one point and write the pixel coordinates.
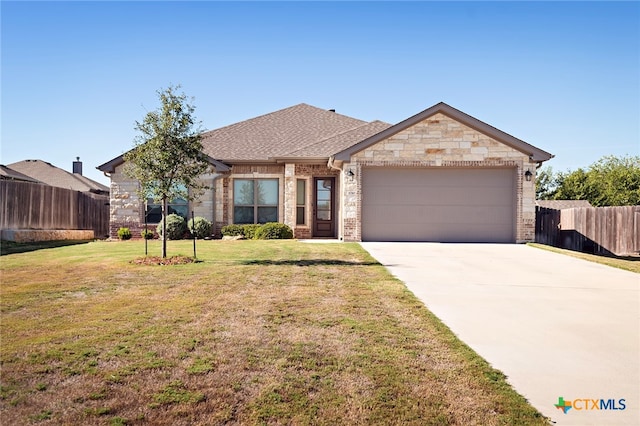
(324, 210)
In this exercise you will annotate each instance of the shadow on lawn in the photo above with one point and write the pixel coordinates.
(308, 262)
(10, 247)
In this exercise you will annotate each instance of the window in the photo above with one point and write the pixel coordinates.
(255, 200)
(300, 201)
(179, 206)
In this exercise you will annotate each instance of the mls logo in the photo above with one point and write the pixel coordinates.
(563, 405)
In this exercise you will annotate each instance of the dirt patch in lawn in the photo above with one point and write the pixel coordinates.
(157, 260)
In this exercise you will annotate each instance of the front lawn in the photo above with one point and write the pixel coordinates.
(258, 332)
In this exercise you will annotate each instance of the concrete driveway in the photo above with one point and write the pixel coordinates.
(557, 326)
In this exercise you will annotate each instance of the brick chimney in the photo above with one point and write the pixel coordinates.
(77, 167)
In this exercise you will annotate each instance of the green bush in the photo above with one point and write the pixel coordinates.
(249, 231)
(200, 227)
(232, 230)
(176, 227)
(146, 234)
(274, 231)
(124, 233)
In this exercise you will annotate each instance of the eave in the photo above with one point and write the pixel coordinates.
(110, 166)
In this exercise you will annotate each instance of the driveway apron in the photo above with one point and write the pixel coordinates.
(557, 326)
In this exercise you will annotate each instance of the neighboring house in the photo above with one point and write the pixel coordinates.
(440, 175)
(40, 202)
(562, 204)
(7, 173)
(54, 176)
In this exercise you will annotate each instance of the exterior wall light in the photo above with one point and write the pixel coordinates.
(528, 175)
(350, 173)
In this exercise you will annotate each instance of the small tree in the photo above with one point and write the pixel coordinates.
(167, 157)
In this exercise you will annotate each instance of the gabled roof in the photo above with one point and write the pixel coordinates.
(54, 176)
(282, 134)
(7, 173)
(534, 153)
(278, 134)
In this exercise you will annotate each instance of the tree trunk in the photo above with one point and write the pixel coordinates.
(164, 227)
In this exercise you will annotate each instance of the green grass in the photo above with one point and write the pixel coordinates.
(259, 332)
(627, 263)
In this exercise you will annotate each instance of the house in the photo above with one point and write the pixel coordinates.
(440, 175)
(54, 176)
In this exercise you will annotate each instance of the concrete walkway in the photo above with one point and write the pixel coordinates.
(557, 326)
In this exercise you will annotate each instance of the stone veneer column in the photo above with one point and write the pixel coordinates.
(528, 232)
(351, 203)
(289, 196)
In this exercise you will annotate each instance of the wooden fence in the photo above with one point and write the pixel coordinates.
(598, 230)
(27, 205)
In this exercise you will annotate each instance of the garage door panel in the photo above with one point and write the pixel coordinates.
(453, 205)
(442, 233)
(438, 214)
(436, 196)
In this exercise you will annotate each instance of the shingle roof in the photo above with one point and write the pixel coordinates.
(280, 133)
(10, 174)
(54, 176)
(562, 204)
(333, 144)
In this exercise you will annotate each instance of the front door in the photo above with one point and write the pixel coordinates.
(324, 211)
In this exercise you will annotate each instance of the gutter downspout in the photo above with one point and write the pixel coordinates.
(341, 221)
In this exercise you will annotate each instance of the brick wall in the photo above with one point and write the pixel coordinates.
(306, 172)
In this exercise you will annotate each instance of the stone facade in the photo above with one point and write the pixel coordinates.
(216, 203)
(440, 141)
(125, 209)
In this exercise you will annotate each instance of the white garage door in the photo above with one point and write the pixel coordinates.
(438, 204)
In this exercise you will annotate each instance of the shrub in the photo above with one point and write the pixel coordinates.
(274, 231)
(176, 227)
(124, 233)
(232, 230)
(249, 231)
(200, 227)
(146, 234)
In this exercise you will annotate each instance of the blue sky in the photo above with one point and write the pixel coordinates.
(564, 76)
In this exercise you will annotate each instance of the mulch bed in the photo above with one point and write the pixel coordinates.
(157, 260)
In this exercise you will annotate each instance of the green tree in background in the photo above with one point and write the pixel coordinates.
(610, 181)
(545, 184)
(167, 157)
